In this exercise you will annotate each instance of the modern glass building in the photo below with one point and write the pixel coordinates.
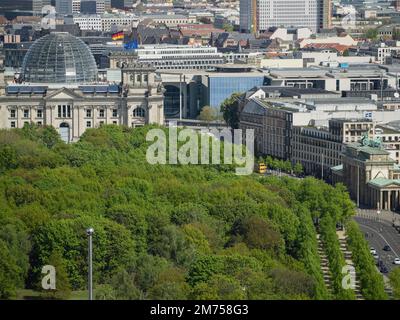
(59, 58)
(221, 87)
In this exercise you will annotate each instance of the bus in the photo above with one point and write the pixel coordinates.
(261, 168)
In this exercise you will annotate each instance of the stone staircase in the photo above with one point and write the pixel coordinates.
(324, 265)
(348, 258)
(388, 288)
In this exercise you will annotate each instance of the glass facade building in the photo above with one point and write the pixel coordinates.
(59, 58)
(222, 87)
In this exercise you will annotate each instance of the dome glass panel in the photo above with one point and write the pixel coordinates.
(59, 58)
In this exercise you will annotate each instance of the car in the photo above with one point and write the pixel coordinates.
(386, 248)
(396, 261)
(379, 263)
(372, 250)
(384, 269)
(375, 255)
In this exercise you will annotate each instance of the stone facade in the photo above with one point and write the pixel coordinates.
(73, 108)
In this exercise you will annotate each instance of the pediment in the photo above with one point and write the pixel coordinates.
(63, 94)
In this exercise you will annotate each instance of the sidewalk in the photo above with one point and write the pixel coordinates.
(384, 215)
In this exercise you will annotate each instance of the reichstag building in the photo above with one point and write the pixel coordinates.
(59, 86)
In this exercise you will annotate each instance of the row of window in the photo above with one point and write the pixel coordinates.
(26, 113)
(64, 111)
(13, 124)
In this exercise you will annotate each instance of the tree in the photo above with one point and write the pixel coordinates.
(298, 168)
(394, 278)
(124, 287)
(170, 285)
(396, 33)
(207, 114)
(105, 292)
(63, 286)
(227, 27)
(256, 233)
(372, 34)
(9, 273)
(230, 110)
(219, 287)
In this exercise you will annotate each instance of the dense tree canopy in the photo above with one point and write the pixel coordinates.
(161, 231)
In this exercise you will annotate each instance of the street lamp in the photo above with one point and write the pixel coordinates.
(89, 233)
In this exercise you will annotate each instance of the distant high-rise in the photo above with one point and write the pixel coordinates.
(88, 7)
(64, 6)
(38, 5)
(121, 4)
(260, 15)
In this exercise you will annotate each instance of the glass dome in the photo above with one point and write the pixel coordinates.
(59, 58)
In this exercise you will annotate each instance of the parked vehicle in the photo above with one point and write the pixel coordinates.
(396, 261)
(386, 248)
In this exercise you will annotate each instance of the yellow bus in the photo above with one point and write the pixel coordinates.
(261, 168)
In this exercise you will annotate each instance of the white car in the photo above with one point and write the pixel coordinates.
(375, 255)
(372, 250)
(396, 261)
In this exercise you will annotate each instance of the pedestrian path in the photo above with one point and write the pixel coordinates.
(349, 261)
(324, 263)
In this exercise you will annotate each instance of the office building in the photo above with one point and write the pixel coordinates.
(259, 16)
(105, 22)
(88, 7)
(170, 57)
(121, 4)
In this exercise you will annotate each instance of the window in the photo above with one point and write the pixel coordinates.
(88, 113)
(12, 124)
(115, 113)
(138, 78)
(39, 113)
(139, 112)
(88, 124)
(114, 122)
(39, 123)
(64, 111)
(13, 113)
(26, 113)
(101, 113)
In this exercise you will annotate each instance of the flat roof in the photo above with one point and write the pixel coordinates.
(383, 182)
(368, 149)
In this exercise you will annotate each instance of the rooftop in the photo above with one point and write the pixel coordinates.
(383, 182)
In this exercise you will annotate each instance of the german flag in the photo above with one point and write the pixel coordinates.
(118, 36)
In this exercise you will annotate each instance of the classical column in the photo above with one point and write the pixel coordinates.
(380, 199)
(386, 195)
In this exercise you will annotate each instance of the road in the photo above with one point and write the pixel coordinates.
(381, 233)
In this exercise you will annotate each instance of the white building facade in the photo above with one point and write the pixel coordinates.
(263, 14)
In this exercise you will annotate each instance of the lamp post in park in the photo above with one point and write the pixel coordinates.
(89, 233)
